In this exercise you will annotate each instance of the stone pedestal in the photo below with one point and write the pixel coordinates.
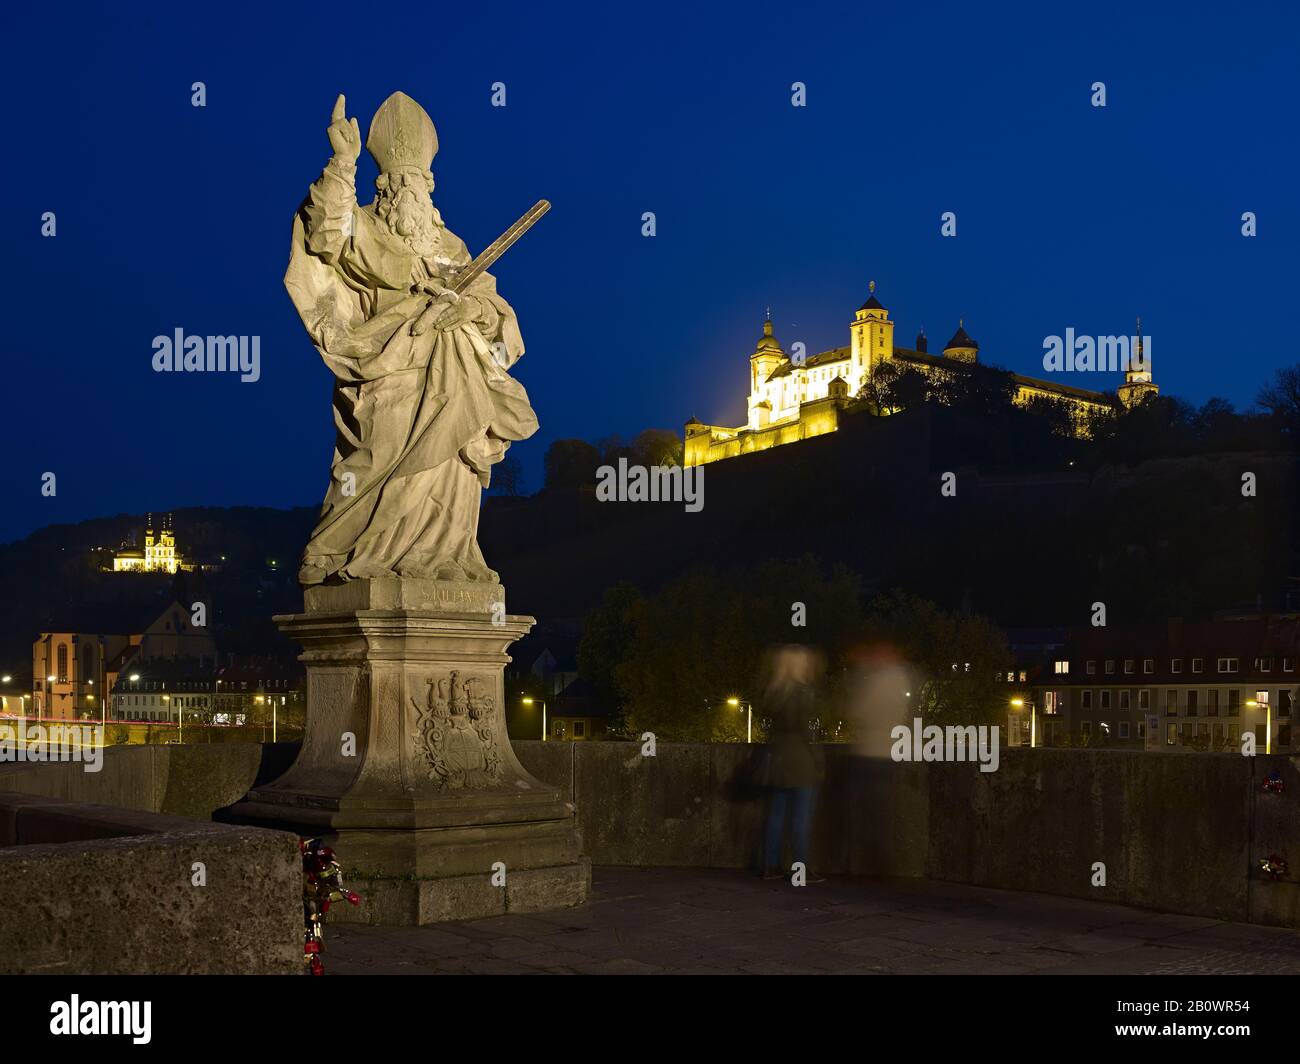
(406, 768)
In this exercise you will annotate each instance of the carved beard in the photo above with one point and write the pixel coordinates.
(410, 216)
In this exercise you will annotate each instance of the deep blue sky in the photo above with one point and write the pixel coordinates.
(1068, 215)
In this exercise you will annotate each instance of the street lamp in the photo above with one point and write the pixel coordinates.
(749, 717)
(529, 702)
(1268, 722)
(1019, 703)
(274, 713)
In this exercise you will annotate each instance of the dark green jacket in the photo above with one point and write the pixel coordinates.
(795, 760)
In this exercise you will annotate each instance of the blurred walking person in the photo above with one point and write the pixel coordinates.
(795, 764)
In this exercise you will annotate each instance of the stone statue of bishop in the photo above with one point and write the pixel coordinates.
(423, 405)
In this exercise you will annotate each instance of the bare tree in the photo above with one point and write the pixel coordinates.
(1281, 397)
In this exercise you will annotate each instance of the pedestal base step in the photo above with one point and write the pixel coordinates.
(416, 902)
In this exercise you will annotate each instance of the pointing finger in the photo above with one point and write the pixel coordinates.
(340, 108)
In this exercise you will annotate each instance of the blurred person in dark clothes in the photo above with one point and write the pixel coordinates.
(794, 763)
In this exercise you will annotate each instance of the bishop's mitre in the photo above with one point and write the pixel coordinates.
(402, 136)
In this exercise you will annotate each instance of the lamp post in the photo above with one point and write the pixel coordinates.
(274, 711)
(749, 717)
(1268, 722)
(529, 702)
(1019, 703)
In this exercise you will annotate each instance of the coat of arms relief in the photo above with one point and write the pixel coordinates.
(455, 734)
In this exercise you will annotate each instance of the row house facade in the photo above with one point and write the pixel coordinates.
(1192, 686)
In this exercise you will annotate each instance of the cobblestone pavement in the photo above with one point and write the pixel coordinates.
(664, 920)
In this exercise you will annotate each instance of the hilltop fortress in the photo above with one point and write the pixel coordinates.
(793, 399)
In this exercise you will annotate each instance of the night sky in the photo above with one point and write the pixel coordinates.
(1068, 215)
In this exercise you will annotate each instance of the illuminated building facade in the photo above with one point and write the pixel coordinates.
(159, 555)
(1175, 686)
(793, 399)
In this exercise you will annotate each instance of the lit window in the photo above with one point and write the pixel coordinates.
(1061, 668)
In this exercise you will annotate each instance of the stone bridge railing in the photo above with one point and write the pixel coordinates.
(1175, 832)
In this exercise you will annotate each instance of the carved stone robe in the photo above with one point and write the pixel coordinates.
(420, 420)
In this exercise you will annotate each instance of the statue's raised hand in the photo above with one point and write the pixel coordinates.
(345, 135)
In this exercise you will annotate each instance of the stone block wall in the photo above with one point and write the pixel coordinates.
(102, 890)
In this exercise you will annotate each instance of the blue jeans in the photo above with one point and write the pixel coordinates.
(795, 804)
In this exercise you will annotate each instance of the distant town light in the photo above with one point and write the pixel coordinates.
(733, 701)
(5, 678)
(50, 677)
(134, 677)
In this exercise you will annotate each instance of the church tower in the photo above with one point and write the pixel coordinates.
(1138, 382)
(765, 359)
(872, 339)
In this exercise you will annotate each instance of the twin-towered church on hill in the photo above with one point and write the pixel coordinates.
(794, 398)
